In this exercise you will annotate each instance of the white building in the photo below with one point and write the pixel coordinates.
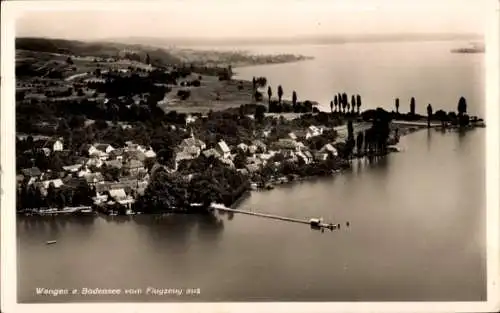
(223, 149)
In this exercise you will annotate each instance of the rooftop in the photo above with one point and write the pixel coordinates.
(133, 164)
(34, 171)
(223, 146)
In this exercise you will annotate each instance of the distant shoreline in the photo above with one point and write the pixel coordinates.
(295, 40)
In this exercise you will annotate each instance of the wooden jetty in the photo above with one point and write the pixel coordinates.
(313, 222)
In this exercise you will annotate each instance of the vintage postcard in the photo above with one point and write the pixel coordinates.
(227, 156)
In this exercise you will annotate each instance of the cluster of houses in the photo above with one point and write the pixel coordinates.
(258, 153)
(133, 176)
(129, 161)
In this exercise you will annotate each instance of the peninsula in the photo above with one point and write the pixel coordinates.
(130, 134)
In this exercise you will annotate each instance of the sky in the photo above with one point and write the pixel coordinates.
(252, 18)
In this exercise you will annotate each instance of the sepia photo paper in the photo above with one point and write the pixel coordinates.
(250, 156)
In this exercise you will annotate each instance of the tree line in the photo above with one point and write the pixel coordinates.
(32, 197)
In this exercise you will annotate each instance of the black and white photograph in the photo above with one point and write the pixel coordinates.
(250, 152)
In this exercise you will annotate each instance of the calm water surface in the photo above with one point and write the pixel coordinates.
(417, 233)
(379, 72)
(417, 218)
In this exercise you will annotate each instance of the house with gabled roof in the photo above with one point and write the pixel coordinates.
(301, 156)
(134, 155)
(52, 144)
(88, 149)
(133, 166)
(190, 119)
(211, 152)
(31, 172)
(117, 154)
(260, 145)
(83, 171)
(135, 147)
(227, 162)
(252, 168)
(290, 155)
(309, 155)
(103, 187)
(72, 168)
(58, 183)
(223, 149)
(193, 151)
(150, 154)
(252, 149)
(99, 154)
(254, 160)
(104, 147)
(94, 161)
(118, 194)
(45, 151)
(181, 156)
(265, 156)
(114, 163)
(285, 144)
(320, 156)
(300, 146)
(192, 142)
(44, 185)
(313, 131)
(93, 178)
(242, 171)
(243, 147)
(330, 149)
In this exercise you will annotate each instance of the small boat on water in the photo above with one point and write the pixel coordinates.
(472, 49)
(315, 222)
(50, 242)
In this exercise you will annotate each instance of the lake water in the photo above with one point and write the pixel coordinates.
(417, 218)
(379, 72)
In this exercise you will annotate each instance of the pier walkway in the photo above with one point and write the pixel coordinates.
(314, 222)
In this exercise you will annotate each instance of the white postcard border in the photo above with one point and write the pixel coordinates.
(12, 9)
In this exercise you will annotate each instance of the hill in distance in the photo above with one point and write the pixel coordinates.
(96, 49)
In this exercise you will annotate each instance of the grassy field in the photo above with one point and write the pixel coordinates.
(211, 95)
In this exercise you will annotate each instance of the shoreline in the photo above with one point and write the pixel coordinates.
(282, 180)
(265, 186)
(405, 128)
(244, 64)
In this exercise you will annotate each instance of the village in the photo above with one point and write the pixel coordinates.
(103, 135)
(118, 175)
